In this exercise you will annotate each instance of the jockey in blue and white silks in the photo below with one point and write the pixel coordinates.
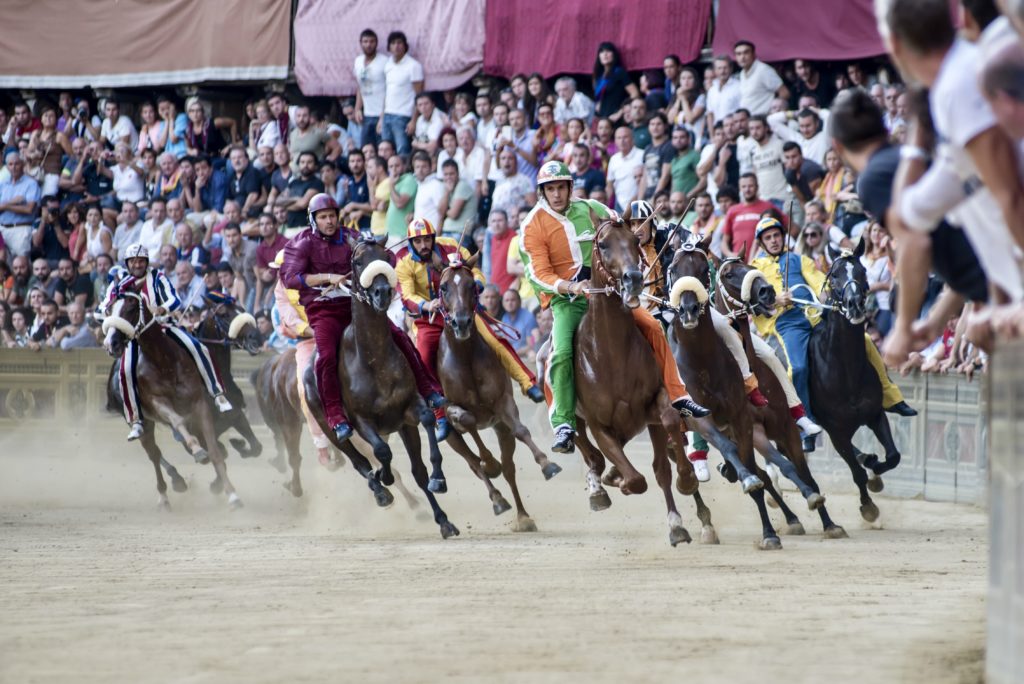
(160, 298)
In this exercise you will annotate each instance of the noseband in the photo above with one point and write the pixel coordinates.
(839, 303)
(689, 248)
(614, 286)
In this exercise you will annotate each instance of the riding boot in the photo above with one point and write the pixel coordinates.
(563, 443)
(223, 405)
(426, 381)
(806, 425)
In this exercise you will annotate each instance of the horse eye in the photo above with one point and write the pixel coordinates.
(603, 244)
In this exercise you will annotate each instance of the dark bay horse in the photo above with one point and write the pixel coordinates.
(845, 390)
(480, 394)
(618, 382)
(713, 376)
(170, 388)
(378, 388)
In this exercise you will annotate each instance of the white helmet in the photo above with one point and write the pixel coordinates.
(136, 251)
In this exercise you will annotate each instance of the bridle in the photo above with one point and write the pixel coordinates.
(734, 307)
(688, 248)
(614, 286)
(839, 303)
(222, 328)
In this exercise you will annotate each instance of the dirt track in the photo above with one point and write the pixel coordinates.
(97, 586)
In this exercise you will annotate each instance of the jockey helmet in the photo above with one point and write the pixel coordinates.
(319, 202)
(553, 171)
(765, 224)
(136, 251)
(640, 210)
(420, 227)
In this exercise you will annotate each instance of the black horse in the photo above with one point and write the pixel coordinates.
(845, 390)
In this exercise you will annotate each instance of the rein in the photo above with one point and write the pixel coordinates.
(734, 307)
(614, 286)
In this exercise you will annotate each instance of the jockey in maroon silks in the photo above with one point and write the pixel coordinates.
(322, 256)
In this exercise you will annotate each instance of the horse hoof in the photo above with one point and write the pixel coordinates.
(524, 524)
(796, 529)
(438, 485)
(386, 477)
(216, 487)
(383, 498)
(752, 483)
(279, 465)
(201, 457)
(600, 501)
(815, 501)
(726, 470)
(449, 530)
(550, 470)
(613, 478)
(163, 505)
(179, 485)
(869, 512)
(234, 502)
(875, 484)
(869, 461)
(686, 485)
(835, 532)
(770, 500)
(770, 544)
(294, 489)
(492, 468)
(708, 535)
(637, 485)
(501, 506)
(677, 535)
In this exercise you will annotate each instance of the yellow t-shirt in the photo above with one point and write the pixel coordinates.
(525, 288)
(378, 219)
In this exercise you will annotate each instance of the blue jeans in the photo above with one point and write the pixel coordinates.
(368, 131)
(794, 330)
(393, 131)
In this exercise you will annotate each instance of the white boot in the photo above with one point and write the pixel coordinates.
(224, 405)
(809, 427)
(135, 432)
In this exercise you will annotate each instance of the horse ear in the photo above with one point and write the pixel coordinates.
(833, 253)
(351, 240)
(705, 244)
(743, 252)
(858, 251)
(715, 261)
(472, 261)
(628, 214)
(594, 218)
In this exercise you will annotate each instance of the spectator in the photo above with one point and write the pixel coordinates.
(690, 105)
(810, 82)
(485, 124)
(803, 175)
(682, 166)
(723, 97)
(401, 202)
(158, 230)
(356, 209)
(17, 287)
(490, 300)
(518, 85)
(1001, 76)
(202, 135)
(585, 178)
(271, 242)
(380, 195)
(188, 250)
(430, 121)
(458, 203)
(79, 122)
(282, 115)
(263, 130)
(191, 289)
(877, 263)
(73, 220)
(19, 199)
(471, 158)
(462, 111)
(706, 222)
(210, 191)
(117, 128)
(812, 134)
(429, 190)
(519, 318)
(50, 145)
(891, 116)
(245, 186)
(671, 66)
(741, 220)
(174, 124)
(169, 183)
(370, 73)
(612, 86)
(230, 285)
(49, 321)
(625, 170)
(572, 104)
(537, 94)
(129, 229)
(72, 285)
(153, 132)
(514, 188)
(19, 336)
(71, 190)
(101, 276)
(657, 157)
(519, 138)
(127, 180)
(762, 154)
(302, 188)
(759, 83)
(545, 137)
(241, 254)
(91, 172)
(43, 278)
(76, 334)
(403, 82)
(50, 238)
(36, 299)
(281, 174)
(495, 255)
(812, 244)
(836, 187)
(96, 239)
(448, 147)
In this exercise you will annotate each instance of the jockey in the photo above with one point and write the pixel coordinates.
(644, 224)
(419, 276)
(293, 324)
(322, 256)
(557, 241)
(791, 326)
(161, 299)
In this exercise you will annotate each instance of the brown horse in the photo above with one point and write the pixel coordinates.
(713, 376)
(480, 394)
(617, 404)
(170, 388)
(378, 388)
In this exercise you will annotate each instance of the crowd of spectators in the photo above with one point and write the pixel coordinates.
(711, 146)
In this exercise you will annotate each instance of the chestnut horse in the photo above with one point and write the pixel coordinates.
(378, 388)
(480, 394)
(170, 390)
(618, 382)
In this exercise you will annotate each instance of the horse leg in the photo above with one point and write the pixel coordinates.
(456, 442)
(663, 475)
(381, 450)
(632, 481)
(880, 426)
(794, 452)
(509, 415)
(774, 457)
(708, 535)
(734, 468)
(411, 438)
(292, 436)
(490, 465)
(769, 539)
(280, 461)
(437, 482)
(148, 441)
(207, 429)
(672, 424)
(844, 446)
(251, 447)
(507, 448)
(178, 483)
(599, 499)
(380, 493)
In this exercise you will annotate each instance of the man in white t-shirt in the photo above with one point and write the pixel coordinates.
(811, 133)
(490, 143)
(485, 124)
(513, 189)
(128, 230)
(403, 77)
(759, 84)
(572, 104)
(430, 190)
(761, 154)
(429, 124)
(625, 170)
(369, 71)
(723, 96)
(117, 128)
(158, 230)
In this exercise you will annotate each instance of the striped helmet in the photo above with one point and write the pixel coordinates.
(420, 227)
(765, 224)
(553, 171)
(136, 251)
(640, 210)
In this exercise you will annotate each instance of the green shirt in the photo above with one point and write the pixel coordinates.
(398, 219)
(684, 171)
(463, 191)
(578, 215)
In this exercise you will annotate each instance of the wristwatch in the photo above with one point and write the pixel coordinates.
(914, 152)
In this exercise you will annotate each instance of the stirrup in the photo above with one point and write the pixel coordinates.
(223, 405)
(136, 431)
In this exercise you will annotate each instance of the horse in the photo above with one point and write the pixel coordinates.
(617, 405)
(479, 392)
(848, 394)
(713, 376)
(378, 388)
(170, 390)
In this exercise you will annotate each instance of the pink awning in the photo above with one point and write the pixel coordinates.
(562, 37)
(446, 36)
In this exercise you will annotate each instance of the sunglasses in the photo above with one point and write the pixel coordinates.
(810, 235)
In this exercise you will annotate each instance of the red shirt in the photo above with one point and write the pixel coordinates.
(741, 222)
(265, 254)
(500, 276)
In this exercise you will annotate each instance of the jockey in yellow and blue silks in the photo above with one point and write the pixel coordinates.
(791, 325)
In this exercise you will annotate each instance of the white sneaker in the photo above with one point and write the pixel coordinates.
(135, 432)
(224, 405)
(700, 469)
(809, 427)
